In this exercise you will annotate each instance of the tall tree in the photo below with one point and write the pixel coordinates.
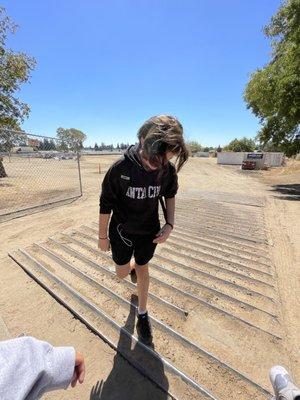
(273, 92)
(52, 145)
(193, 146)
(71, 138)
(10, 139)
(243, 144)
(15, 69)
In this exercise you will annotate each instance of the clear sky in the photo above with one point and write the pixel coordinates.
(105, 66)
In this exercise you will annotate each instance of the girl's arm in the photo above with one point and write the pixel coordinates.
(103, 243)
(103, 225)
(108, 198)
(170, 205)
(166, 230)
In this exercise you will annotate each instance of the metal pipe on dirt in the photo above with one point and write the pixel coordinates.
(79, 172)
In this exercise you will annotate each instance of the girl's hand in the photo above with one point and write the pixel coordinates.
(163, 234)
(104, 244)
(79, 370)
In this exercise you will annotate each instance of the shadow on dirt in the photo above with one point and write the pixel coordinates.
(289, 192)
(120, 384)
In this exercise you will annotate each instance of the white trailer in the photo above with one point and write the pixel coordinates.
(236, 158)
(230, 158)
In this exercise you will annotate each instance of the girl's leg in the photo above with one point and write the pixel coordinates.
(123, 270)
(143, 325)
(142, 273)
(132, 264)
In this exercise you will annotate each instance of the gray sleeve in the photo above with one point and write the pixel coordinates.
(30, 367)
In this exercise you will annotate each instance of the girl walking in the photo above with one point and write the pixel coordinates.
(129, 220)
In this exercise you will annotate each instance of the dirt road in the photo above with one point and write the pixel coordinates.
(231, 263)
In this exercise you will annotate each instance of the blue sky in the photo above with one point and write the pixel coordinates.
(105, 66)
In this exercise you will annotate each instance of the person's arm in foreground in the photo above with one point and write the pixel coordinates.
(30, 367)
(103, 243)
(166, 230)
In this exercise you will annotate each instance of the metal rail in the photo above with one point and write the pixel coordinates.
(206, 263)
(169, 330)
(211, 241)
(215, 212)
(97, 266)
(205, 212)
(227, 224)
(213, 277)
(228, 245)
(217, 258)
(238, 265)
(155, 321)
(201, 285)
(215, 240)
(226, 270)
(216, 291)
(222, 232)
(227, 253)
(195, 298)
(235, 263)
(171, 368)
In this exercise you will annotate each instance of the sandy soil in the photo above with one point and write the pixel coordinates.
(200, 177)
(283, 186)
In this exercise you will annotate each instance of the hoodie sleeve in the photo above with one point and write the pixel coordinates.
(30, 368)
(172, 183)
(109, 192)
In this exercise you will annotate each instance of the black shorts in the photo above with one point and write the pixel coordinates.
(123, 248)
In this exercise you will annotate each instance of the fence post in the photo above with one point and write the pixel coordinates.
(79, 172)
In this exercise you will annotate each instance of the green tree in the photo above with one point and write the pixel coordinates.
(46, 144)
(207, 149)
(8, 140)
(243, 144)
(273, 92)
(15, 69)
(52, 145)
(71, 139)
(193, 146)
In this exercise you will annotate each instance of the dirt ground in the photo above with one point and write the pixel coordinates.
(25, 307)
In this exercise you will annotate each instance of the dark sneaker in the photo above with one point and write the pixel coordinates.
(133, 276)
(144, 329)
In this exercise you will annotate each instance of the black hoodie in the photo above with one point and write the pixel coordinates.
(132, 192)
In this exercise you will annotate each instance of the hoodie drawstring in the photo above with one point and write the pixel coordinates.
(125, 240)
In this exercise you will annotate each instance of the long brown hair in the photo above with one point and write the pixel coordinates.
(162, 134)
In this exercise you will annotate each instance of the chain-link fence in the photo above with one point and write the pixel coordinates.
(35, 171)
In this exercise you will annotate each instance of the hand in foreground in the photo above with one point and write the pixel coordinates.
(79, 370)
(163, 234)
(104, 244)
